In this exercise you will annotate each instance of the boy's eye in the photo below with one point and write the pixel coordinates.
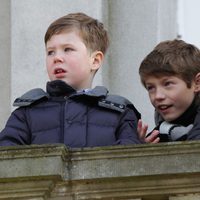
(168, 83)
(68, 49)
(49, 53)
(149, 88)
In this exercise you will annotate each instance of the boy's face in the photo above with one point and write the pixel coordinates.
(68, 59)
(169, 95)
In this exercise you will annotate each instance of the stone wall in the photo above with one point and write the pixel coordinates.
(168, 171)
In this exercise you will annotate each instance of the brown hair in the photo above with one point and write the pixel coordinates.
(90, 30)
(172, 57)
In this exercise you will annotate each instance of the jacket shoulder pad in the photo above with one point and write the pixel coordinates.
(114, 102)
(30, 97)
(118, 103)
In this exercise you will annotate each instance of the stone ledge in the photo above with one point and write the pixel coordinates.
(33, 161)
(24, 189)
(136, 160)
(146, 172)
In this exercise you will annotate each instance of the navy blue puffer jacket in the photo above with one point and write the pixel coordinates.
(77, 119)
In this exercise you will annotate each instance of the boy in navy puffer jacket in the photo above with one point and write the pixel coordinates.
(69, 111)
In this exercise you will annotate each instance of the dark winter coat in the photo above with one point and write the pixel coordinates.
(77, 119)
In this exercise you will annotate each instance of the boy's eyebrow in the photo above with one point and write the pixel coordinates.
(63, 45)
(148, 84)
(49, 47)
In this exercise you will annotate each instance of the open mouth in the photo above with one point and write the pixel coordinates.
(163, 108)
(59, 71)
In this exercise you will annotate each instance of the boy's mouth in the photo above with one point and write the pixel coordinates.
(164, 108)
(59, 71)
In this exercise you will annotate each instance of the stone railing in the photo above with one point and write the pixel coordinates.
(168, 171)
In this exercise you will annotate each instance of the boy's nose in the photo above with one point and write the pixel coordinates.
(159, 94)
(58, 58)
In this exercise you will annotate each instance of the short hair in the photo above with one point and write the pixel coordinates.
(172, 57)
(91, 31)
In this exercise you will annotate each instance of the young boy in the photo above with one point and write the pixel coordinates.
(70, 112)
(171, 75)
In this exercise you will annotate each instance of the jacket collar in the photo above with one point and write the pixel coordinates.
(188, 116)
(98, 91)
(60, 88)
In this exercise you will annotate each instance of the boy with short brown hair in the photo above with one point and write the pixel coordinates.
(171, 75)
(70, 111)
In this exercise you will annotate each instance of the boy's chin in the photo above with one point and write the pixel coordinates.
(58, 79)
(169, 118)
(61, 79)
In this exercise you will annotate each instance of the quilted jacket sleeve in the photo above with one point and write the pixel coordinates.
(127, 129)
(16, 131)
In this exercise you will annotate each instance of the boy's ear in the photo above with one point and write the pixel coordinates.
(97, 59)
(197, 82)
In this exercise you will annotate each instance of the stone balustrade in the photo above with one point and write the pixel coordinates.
(168, 171)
